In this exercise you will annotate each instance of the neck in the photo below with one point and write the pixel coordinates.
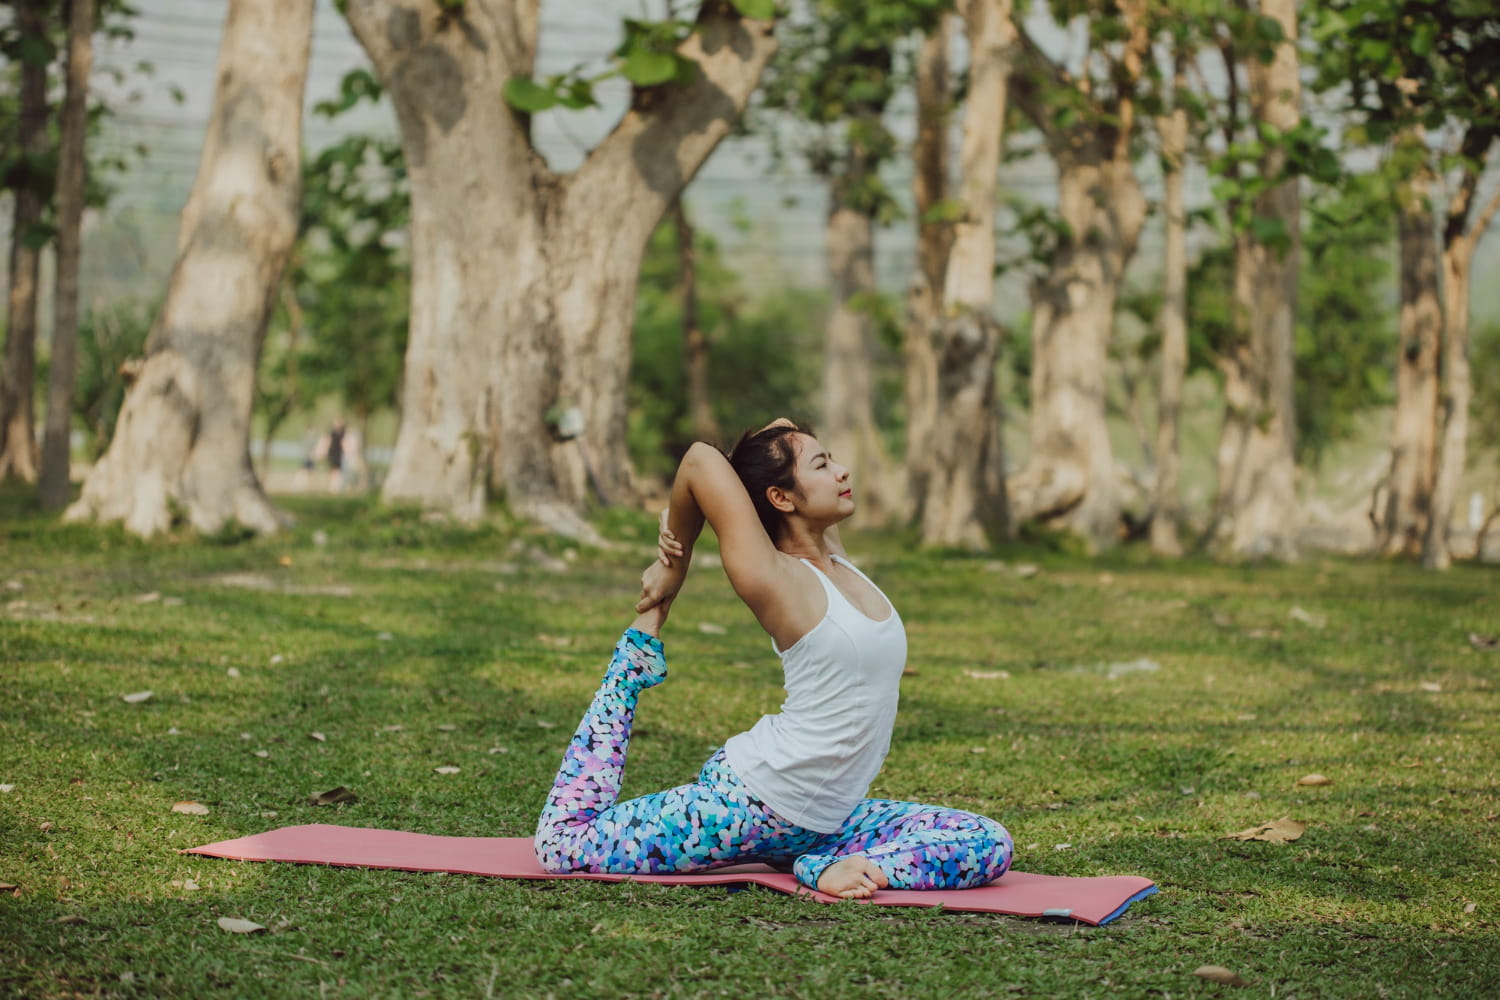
(803, 541)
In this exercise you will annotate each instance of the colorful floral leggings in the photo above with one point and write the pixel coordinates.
(716, 821)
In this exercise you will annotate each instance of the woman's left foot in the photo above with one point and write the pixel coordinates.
(853, 877)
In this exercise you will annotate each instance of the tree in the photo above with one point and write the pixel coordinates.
(182, 441)
(963, 503)
(1424, 76)
(523, 279)
(28, 176)
(1172, 128)
(837, 71)
(1088, 121)
(55, 485)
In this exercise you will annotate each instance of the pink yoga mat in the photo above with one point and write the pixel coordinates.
(1096, 900)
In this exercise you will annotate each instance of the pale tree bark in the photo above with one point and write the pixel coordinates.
(1405, 501)
(1070, 478)
(934, 242)
(694, 342)
(18, 452)
(524, 280)
(183, 438)
(964, 504)
(847, 427)
(1166, 518)
(1460, 237)
(54, 487)
(1261, 502)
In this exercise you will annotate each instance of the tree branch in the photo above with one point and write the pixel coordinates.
(659, 144)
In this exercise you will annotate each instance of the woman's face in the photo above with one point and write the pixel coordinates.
(823, 482)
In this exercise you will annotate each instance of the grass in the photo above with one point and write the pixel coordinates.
(411, 645)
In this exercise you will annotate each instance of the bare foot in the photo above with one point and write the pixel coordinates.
(652, 619)
(854, 877)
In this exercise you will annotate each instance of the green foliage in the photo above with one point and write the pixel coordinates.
(1484, 353)
(107, 340)
(341, 326)
(763, 354)
(1345, 337)
(1346, 331)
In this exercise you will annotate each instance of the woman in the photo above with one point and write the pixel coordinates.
(789, 791)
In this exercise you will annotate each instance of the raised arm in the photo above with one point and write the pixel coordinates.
(706, 488)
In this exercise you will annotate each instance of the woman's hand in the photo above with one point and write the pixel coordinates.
(668, 548)
(659, 585)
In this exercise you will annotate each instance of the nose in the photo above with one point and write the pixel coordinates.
(842, 471)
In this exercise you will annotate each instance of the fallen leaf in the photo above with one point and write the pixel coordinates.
(237, 926)
(136, 697)
(12, 887)
(284, 561)
(263, 754)
(988, 675)
(1488, 643)
(384, 636)
(1313, 780)
(333, 797)
(1219, 974)
(1307, 618)
(318, 736)
(7, 789)
(185, 883)
(1468, 907)
(499, 749)
(71, 918)
(1025, 570)
(1062, 847)
(1279, 831)
(150, 598)
(233, 671)
(556, 641)
(278, 658)
(712, 628)
(447, 769)
(190, 808)
(1431, 687)
(544, 724)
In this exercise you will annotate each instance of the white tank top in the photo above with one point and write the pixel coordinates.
(814, 760)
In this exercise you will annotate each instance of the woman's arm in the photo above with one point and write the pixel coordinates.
(707, 488)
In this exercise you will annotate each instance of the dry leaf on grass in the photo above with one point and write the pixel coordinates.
(1488, 643)
(1219, 974)
(1431, 687)
(190, 808)
(712, 628)
(237, 926)
(12, 887)
(988, 675)
(7, 789)
(149, 598)
(136, 697)
(185, 883)
(333, 797)
(1278, 831)
(447, 769)
(317, 736)
(71, 918)
(1314, 780)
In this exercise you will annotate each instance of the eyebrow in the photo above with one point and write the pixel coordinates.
(821, 454)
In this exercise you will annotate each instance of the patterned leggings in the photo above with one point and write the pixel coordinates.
(716, 821)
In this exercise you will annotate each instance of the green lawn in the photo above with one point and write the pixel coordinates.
(1120, 716)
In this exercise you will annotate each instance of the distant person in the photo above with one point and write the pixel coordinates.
(332, 448)
(354, 462)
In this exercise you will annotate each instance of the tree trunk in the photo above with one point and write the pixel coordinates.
(1166, 518)
(965, 503)
(694, 343)
(55, 485)
(18, 451)
(183, 438)
(847, 427)
(524, 281)
(1401, 521)
(934, 242)
(1070, 477)
(1262, 507)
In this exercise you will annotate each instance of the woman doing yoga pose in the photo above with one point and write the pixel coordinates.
(789, 791)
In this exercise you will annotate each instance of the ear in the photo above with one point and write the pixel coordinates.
(780, 499)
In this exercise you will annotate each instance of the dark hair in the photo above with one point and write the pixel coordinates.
(763, 459)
